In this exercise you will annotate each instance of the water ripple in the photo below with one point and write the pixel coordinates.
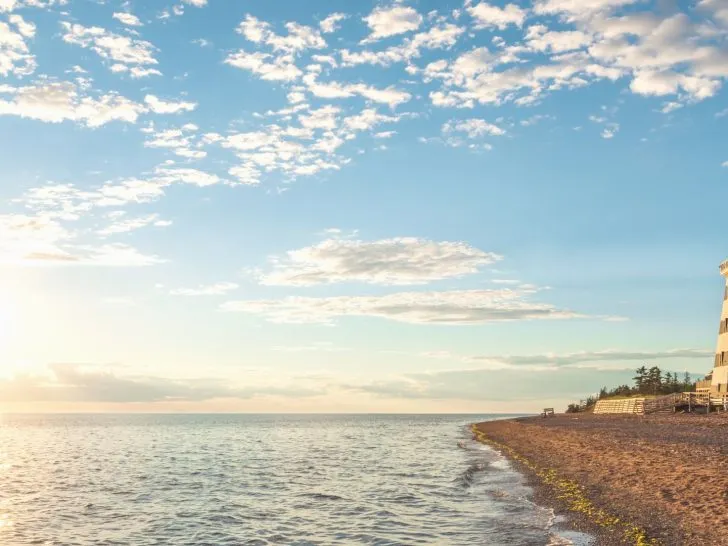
(258, 480)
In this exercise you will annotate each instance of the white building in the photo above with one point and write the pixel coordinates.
(719, 379)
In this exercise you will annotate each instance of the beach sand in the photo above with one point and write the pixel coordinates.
(628, 479)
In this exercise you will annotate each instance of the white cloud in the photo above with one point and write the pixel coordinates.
(443, 36)
(216, 289)
(76, 383)
(126, 225)
(280, 65)
(474, 128)
(478, 383)
(24, 236)
(390, 95)
(540, 38)
(159, 106)
(304, 149)
(397, 261)
(331, 23)
(127, 191)
(113, 47)
(670, 106)
(334, 90)
(487, 15)
(578, 8)
(68, 203)
(196, 3)
(468, 133)
(585, 358)
(671, 54)
(173, 175)
(536, 118)
(449, 307)
(127, 19)
(55, 102)
(10, 5)
(25, 28)
(58, 101)
(384, 22)
(299, 37)
(610, 130)
(15, 56)
(118, 255)
(268, 67)
(38, 240)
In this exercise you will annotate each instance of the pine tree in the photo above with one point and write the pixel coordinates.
(654, 379)
(675, 383)
(640, 379)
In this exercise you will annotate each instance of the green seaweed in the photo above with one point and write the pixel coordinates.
(574, 496)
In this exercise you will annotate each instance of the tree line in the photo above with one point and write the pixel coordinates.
(650, 381)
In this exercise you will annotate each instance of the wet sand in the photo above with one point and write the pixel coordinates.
(656, 479)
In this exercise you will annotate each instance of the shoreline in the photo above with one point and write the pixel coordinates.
(623, 479)
(545, 492)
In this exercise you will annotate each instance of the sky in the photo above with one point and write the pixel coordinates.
(329, 206)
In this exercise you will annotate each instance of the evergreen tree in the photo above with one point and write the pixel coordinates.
(675, 383)
(667, 386)
(687, 382)
(640, 379)
(654, 379)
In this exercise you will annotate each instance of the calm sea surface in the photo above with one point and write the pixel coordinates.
(258, 480)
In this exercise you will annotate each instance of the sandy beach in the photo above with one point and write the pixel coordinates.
(656, 479)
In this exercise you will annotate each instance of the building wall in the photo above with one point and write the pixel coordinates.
(720, 376)
(721, 351)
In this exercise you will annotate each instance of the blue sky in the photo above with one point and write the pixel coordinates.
(370, 206)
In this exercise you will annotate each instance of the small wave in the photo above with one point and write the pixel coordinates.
(322, 496)
(467, 477)
(570, 538)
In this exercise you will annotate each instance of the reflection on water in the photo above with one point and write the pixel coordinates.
(246, 479)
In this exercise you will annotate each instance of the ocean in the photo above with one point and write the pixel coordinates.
(260, 480)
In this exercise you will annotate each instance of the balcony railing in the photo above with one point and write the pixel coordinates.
(703, 384)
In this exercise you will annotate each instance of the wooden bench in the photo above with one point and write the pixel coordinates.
(547, 412)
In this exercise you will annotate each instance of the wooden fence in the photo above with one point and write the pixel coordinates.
(667, 403)
(623, 405)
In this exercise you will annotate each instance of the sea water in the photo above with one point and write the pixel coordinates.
(261, 479)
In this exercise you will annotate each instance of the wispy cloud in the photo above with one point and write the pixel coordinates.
(216, 289)
(94, 384)
(398, 261)
(447, 307)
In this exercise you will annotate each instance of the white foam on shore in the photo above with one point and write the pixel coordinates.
(501, 464)
(564, 537)
(571, 538)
